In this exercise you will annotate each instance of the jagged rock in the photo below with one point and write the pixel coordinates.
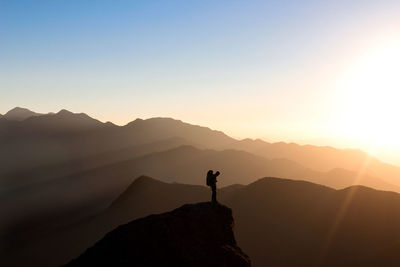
(192, 235)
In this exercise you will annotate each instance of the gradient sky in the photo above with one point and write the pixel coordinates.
(278, 70)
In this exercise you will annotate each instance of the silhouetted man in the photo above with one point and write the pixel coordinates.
(212, 182)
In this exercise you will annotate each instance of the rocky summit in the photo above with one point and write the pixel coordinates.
(192, 235)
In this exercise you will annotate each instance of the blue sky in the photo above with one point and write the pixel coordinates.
(250, 68)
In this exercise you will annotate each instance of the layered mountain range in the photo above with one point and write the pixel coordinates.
(42, 140)
(59, 171)
(278, 222)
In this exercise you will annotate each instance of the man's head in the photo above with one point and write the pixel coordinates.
(210, 172)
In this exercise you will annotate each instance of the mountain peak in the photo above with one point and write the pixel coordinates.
(146, 179)
(19, 109)
(168, 127)
(193, 235)
(68, 114)
(20, 114)
(64, 112)
(63, 120)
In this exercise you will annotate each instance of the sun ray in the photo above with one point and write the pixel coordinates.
(342, 211)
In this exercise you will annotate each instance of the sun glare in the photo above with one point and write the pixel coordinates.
(369, 98)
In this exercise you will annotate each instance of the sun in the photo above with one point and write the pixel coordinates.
(368, 103)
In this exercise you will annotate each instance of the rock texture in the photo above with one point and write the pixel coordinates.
(192, 235)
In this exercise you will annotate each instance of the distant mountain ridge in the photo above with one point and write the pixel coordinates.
(20, 114)
(314, 157)
(66, 136)
(63, 120)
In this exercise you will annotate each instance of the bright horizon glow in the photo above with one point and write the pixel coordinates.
(310, 72)
(369, 97)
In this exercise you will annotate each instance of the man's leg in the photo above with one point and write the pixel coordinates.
(214, 194)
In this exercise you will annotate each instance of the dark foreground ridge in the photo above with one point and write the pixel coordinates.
(192, 235)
